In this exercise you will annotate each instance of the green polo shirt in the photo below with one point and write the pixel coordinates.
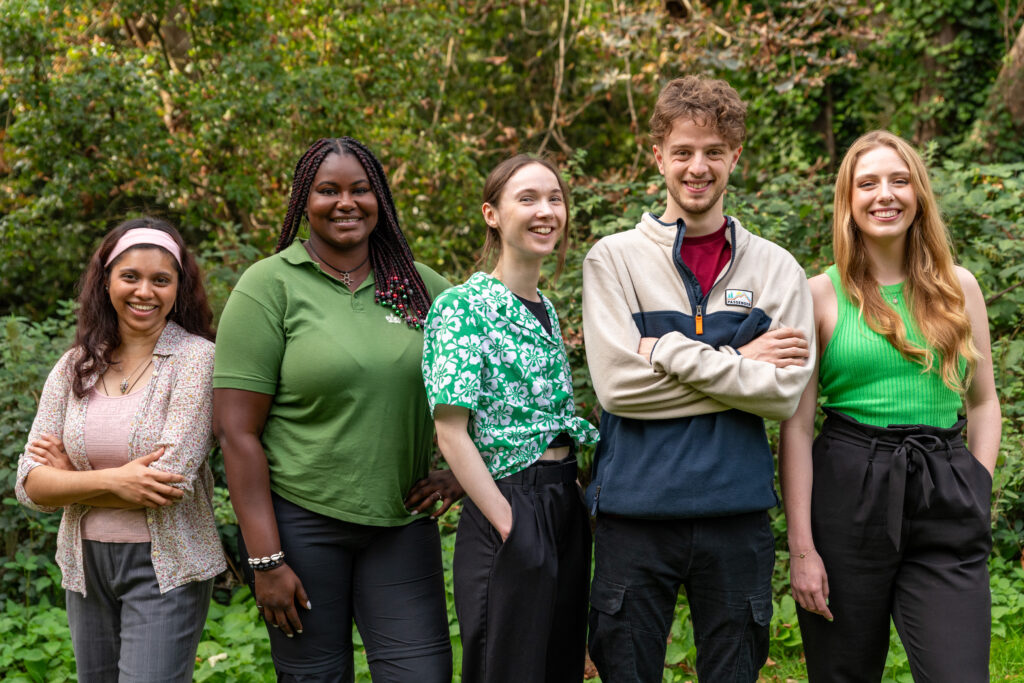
(349, 431)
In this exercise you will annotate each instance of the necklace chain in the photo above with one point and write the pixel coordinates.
(346, 275)
(123, 386)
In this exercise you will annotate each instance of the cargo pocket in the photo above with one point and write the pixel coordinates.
(756, 637)
(606, 596)
(610, 639)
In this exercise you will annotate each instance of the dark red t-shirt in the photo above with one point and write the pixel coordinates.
(706, 256)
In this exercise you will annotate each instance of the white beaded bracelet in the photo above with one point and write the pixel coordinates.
(262, 564)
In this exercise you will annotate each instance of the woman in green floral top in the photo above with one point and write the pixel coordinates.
(500, 389)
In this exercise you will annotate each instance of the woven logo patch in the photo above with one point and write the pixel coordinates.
(739, 297)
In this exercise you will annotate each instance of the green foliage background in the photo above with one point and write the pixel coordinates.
(197, 111)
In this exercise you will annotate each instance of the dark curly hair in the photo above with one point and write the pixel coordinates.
(98, 335)
(706, 101)
(399, 286)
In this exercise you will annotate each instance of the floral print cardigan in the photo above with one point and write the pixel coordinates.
(176, 412)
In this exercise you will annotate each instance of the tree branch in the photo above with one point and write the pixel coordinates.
(995, 297)
(559, 78)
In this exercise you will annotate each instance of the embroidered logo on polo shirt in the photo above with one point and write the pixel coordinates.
(739, 297)
(392, 318)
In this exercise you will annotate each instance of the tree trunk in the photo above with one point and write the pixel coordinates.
(1007, 96)
(1010, 84)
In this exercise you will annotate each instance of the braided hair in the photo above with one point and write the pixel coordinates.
(399, 286)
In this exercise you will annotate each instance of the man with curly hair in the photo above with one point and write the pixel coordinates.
(696, 331)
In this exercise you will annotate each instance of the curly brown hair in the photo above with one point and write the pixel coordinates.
(705, 101)
(97, 334)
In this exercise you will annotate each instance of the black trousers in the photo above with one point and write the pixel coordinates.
(900, 517)
(724, 564)
(388, 579)
(522, 604)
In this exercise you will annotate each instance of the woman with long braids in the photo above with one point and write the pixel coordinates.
(887, 510)
(120, 442)
(500, 387)
(327, 440)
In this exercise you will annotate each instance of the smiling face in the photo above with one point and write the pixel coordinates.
(883, 202)
(341, 207)
(530, 214)
(696, 162)
(142, 287)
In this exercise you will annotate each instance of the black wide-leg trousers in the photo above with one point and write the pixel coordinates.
(900, 517)
(522, 604)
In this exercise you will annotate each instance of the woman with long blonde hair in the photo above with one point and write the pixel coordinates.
(887, 510)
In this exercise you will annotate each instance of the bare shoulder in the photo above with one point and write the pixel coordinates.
(822, 291)
(969, 283)
(826, 308)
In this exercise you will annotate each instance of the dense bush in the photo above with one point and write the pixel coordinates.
(198, 111)
(982, 204)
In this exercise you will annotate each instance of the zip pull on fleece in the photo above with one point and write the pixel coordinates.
(699, 320)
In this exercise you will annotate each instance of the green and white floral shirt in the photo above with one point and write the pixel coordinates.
(483, 350)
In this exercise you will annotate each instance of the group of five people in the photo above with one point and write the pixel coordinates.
(696, 331)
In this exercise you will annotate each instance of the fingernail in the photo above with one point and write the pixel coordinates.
(290, 635)
(415, 512)
(299, 632)
(309, 605)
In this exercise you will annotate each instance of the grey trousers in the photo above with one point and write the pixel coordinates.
(125, 630)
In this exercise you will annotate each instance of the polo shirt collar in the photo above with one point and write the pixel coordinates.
(296, 254)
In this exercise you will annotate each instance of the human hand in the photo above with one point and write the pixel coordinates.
(646, 346)
(503, 525)
(438, 486)
(277, 592)
(136, 482)
(49, 450)
(809, 581)
(782, 348)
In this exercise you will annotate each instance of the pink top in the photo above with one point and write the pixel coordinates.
(175, 411)
(108, 421)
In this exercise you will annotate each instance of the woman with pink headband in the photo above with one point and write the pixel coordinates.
(120, 443)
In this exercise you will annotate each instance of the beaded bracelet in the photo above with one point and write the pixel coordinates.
(262, 564)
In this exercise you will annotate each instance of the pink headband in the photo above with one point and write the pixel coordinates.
(137, 236)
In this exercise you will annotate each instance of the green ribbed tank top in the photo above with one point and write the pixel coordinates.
(863, 376)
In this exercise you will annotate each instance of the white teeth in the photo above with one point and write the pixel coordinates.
(699, 184)
(542, 230)
(886, 213)
(141, 307)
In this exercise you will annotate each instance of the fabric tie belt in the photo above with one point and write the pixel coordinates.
(908, 445)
